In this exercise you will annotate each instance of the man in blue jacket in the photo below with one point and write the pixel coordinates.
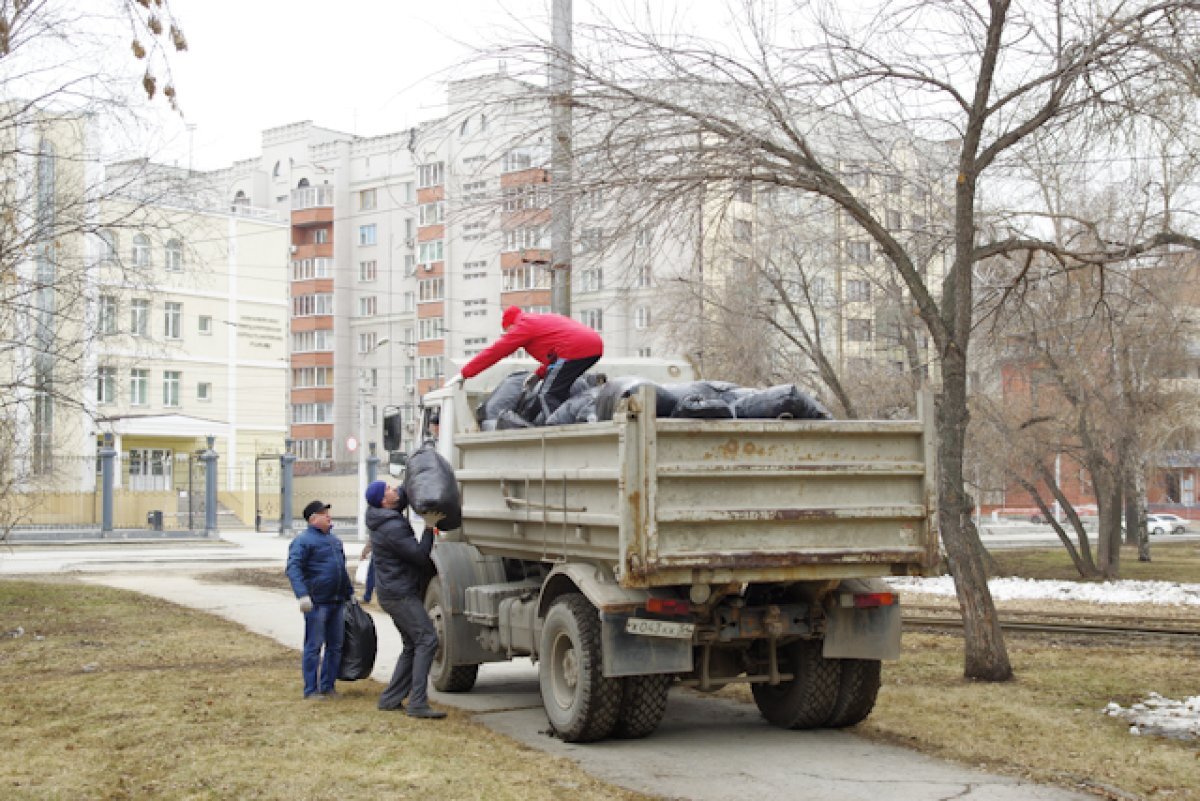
(316, 567)
(400, 560)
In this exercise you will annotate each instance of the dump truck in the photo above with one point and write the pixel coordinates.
(631, 555)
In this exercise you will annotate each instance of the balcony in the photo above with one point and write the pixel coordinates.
(312, 197)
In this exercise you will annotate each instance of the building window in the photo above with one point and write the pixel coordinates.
(367, 342)
(858, 291)
(429, 252)
(307, 377)
(106, 385)
(644, 277)
(430, 175)
(521, 158)
(858, 329)
(172, 379)
(743, 231)
(139, 317)
(367, 306)
(591, 280)
(474, 269)
(174, 255)
(429, 367)
(429, 328)
(473, 232)
(475, 307)
(205, 325)
(527, 276)
(312, 412)
(431, 213)
(526, 196)
(592, 318)
(204, 391)
(431, 289)
(641, 317)
(368, 270)
(108, 246)
(172, 320)
(858, 251)
(366, 200)
(895, 220)
(141, 250)
(139, 383)
(107, 323)
(474, 191)
(367, 234)
(304, 269)
(644, 353)
(533, 237)
(312, 305)
(408, 301)
(312, 341)
(410, 264)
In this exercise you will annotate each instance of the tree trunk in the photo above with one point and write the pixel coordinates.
(1085, 547)
(1108, 501)
(986, 656)
(1085, 570)
(1139, 508)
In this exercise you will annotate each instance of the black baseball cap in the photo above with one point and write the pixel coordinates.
(314, 507)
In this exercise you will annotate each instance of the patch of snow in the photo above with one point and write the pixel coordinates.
(1107, 592)
(1166, 717)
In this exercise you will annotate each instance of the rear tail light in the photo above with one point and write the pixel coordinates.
(869, 600)
(668, 606)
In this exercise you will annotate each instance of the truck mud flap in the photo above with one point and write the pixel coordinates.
(628, 654)
(862, 633)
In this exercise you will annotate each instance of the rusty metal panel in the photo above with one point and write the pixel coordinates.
(668, 501)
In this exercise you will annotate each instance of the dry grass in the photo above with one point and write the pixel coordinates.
(1170, 561)
(112, 695)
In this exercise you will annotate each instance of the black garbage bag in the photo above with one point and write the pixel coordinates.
(510, 419)
(359, 643)
(613, 390)
(579, 408)
(431, 487)
(699, 407)
(503, 397)
(785, 400)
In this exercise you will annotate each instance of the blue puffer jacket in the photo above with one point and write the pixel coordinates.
(316, 566)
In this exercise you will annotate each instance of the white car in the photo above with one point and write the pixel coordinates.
(1166, 524)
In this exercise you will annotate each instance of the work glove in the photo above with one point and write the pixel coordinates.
(530, 382)
(306, 604)
(456, 379)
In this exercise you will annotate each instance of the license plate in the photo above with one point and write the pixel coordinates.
(660, 628)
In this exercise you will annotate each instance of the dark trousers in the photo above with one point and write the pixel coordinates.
(560, 375)
(419, 637)
(324, 627)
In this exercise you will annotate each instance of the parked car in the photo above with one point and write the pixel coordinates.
(1160, 524)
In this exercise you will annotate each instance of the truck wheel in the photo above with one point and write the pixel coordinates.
(806, 701)
(856, 692)
(445, 675)
(580, 702)
(643, 704)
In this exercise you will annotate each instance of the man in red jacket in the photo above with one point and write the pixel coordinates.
(565, 347)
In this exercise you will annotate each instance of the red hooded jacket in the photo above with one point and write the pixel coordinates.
(545, 337)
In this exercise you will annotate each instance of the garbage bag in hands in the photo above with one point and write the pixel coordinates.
(431, 487)
(359, 643)
(785, 400)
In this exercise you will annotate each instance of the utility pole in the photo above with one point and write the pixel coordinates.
(561, 85)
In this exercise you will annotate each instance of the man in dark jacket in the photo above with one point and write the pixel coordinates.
(316, 567)
(400, 561)
(566, 348)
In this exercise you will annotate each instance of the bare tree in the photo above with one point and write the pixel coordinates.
(960, 94)
(62, 92)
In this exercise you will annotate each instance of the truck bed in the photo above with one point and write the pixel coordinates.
(672, 501)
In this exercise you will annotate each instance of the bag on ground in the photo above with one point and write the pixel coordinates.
(431, 487)
(358, 644)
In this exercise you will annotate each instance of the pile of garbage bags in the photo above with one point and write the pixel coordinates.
(595, 397)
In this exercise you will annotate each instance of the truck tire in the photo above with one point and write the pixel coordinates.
(806, 701)
(643, 704)
(445, 675)
(580, 702)
(857, 690)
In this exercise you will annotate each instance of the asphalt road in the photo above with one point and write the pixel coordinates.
(706, 748)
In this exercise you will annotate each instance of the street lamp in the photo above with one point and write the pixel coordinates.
(361, 449)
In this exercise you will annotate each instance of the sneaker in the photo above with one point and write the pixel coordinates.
(396, 708)
(316, 697)
(332, 694)
(426, 712)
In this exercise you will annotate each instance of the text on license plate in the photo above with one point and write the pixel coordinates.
(659, 628)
